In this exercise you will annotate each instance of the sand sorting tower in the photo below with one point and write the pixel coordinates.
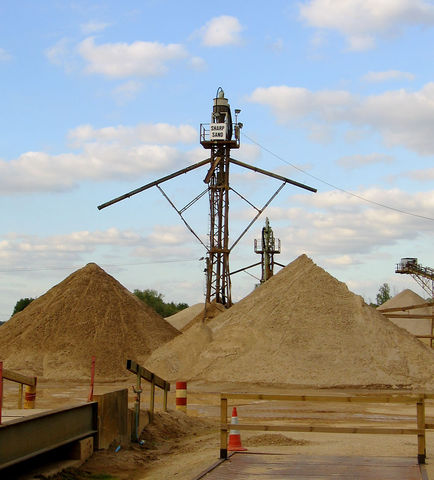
(301, 327)
(88, 313)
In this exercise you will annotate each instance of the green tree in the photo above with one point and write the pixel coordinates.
(155, 300)
(22, 304)
(383, 294)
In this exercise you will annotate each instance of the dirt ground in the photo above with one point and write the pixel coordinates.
(181, 446)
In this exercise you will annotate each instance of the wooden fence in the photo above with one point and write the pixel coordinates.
(392, 313)
(22, 380)
(416, 399)
(155, 381)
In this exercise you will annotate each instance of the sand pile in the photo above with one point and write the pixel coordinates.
(88, 313)
(301, 327)
(180, 319)
(201, 312)
(209, 312)
(416, 326)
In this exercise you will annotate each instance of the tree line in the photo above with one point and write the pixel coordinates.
(151, 297)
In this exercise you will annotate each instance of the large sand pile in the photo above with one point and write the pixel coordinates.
(199, 313)
(416, 326)
(301, 327)
(88, 313)
(180, 319)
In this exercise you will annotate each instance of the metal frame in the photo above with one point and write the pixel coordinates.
(36, 434)
(218, 282)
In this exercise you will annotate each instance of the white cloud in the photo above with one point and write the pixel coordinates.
(127, 91)
(422, 175)
(30, 250)
(221, 31)
(356, 161)
(93, 27)
(157, 133)
(338, 225)
(104, 154)
(387, 75)
(198, 63)
(61, 54)
(4, 55)
(360, 21)
(402, 117)
(118, 60)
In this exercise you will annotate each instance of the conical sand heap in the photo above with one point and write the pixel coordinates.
(302, 327)
(406, 298)
(88, 313)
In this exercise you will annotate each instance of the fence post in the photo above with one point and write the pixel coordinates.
(165, 397)
(421, 444)
(152, 401)
(223, 428)
(1, 390)
(20, 395)
(92, 379)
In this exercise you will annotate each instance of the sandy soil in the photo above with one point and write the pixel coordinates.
(180, 446)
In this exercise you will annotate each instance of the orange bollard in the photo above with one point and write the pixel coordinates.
(181, 396)
(30, 396)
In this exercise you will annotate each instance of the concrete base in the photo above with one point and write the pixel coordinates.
(82, 449)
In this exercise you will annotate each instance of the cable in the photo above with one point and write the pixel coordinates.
(334, 186)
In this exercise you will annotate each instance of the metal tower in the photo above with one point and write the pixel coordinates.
(267, 247)
(219, 137)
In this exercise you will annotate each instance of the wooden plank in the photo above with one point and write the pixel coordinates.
(133, 367)
(410, 398)
(403, 309)
(224, 428)
(421, 441)
(328, 429)
(413, 316)
(307, 467)
(18, 378)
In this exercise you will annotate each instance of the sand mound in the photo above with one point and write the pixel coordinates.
(406, 298)
(301, 327)
(209, 312)
(265, 439)
(88, 313)
(180, 319)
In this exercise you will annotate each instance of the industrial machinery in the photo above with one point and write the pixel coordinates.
(219, 137)
(267, 247)
(424, 276)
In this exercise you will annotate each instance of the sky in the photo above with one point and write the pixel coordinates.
(101, 97)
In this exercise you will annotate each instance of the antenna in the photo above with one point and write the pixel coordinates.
(219, 137)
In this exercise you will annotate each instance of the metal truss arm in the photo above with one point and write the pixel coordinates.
(153, 184)
(182, 218)
(257, 216)
(273, 175)
(245, 268)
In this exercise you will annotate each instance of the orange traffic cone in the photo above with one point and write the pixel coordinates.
(234, 435)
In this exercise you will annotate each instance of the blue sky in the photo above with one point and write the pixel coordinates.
(99, 98)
